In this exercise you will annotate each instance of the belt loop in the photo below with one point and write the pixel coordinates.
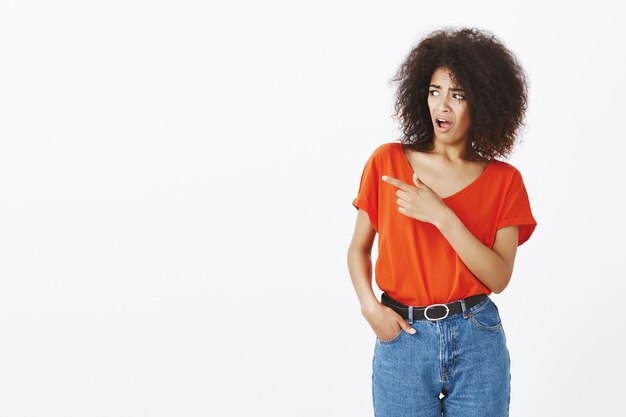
(410, 314)
(463, 307)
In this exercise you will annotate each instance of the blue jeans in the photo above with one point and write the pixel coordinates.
(458, 366)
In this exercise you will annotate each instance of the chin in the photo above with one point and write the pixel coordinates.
(449, 139)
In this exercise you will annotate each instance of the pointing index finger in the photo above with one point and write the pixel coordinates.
(394, 181)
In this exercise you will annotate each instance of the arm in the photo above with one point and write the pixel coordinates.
(360, 261)
(383, 320)
(493, 267)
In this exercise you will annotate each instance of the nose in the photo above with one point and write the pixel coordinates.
(442, 105)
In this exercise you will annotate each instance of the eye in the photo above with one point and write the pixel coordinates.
(458, 96)
(434, 91)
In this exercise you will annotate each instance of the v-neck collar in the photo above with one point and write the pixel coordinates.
(407, 164)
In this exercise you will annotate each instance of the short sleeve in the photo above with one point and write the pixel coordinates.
(367, 197)
(516, 209)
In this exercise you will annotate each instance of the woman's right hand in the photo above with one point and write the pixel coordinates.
(386, 323)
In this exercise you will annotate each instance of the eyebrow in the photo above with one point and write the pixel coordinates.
(452, 89)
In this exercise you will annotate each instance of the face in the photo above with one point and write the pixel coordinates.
(447, 101)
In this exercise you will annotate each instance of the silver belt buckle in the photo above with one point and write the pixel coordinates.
(435, 305)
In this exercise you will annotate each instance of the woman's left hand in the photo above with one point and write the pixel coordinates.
(419, 202)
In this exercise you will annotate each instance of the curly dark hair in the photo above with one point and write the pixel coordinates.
(496, 90)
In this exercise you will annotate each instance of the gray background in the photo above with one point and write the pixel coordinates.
(176, 182)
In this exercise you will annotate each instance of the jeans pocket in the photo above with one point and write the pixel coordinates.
(486, 317)
(396, 337)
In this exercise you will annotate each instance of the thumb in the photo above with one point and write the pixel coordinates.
(407, 327)
(417, 181)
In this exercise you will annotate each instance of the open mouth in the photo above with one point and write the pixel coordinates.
(443, 124)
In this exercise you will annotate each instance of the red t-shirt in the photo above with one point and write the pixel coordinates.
(416, 265)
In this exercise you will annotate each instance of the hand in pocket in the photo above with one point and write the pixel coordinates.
(386, 323)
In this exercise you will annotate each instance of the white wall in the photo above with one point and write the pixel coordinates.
(176, 181)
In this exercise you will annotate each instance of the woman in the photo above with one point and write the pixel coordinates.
(449, 218)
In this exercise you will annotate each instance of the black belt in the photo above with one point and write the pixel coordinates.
(433, 311)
